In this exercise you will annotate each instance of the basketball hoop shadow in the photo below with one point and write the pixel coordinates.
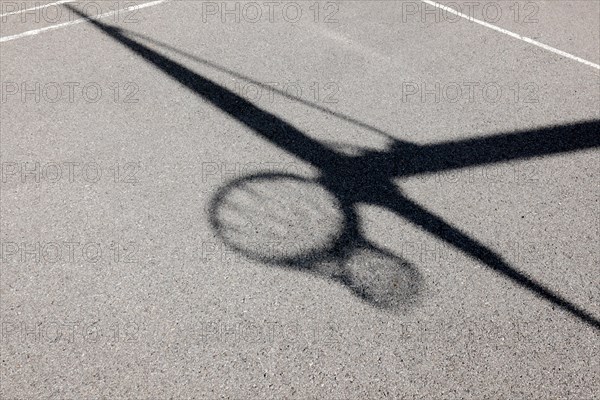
(299, 223)
(368, 178)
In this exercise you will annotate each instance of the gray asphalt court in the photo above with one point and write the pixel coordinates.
(300, 199)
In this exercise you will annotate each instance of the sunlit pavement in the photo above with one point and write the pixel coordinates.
(197, 204)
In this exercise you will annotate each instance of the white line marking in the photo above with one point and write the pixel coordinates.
(78, 21)
(512, 34)
(35, 8)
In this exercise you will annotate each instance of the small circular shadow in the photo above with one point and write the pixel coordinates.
(381, 278)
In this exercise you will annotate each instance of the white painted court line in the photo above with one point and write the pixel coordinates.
(512, 34)
(35, 8)
(78, 21)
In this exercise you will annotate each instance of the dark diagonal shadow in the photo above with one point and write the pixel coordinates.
(367, 178)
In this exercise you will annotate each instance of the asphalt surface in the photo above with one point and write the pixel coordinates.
(165, 234)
